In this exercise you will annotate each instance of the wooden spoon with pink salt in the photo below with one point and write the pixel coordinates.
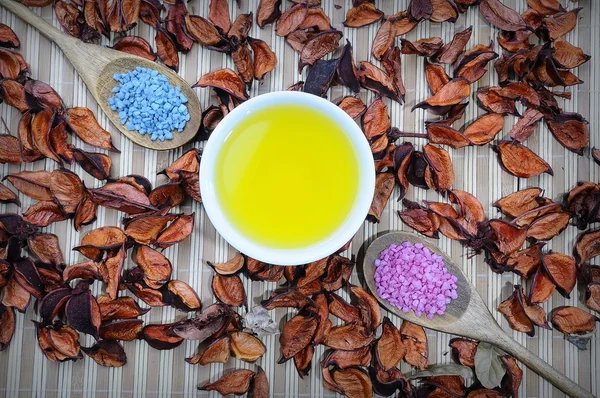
(466, 316)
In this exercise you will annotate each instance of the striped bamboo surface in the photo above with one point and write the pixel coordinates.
(24, 372)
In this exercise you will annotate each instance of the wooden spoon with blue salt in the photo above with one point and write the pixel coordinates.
(466, 316)
(96, 66)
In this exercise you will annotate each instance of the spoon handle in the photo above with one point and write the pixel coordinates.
(539, 366)
(37, 22)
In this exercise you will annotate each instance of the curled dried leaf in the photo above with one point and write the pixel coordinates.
(183, 296)
(571, 130)
(291, 19)
(389, 348)
(218, 14)
(422, 47)
(463, 351)
(521, 161)
(441, 134)
(268, 12)
(83, 123)
(297, 333)
(44, 213)
(348, 337)
(587, 246)
(158, 336)
(7, 325)
(265, 59)
(384, 185)
(229, 290)
(501, 16)
(449, 53)
(230, 267)
(548, 225)
(135, 45)
(363, 14)
(107, 353)
(216, 352)
(451, 93)
(225, 79)
(562, 271)
(542, 287)
(347, 359)
(290, 298)
(246, 347)
(83, 313)
(318, 46)
(354, 382)
(177, 232)
(46, 248)
(234, 382)
(573, 320)
(166, 50)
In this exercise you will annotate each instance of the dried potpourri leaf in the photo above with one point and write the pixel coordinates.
(449, 53)
(225, 79)
(8, 196)
(317, 19)
(346, 359)
(298, 39)
(587, 246)
(58, 141)
(519, 202)
(85, 214)
(15, 295)
(376, 120)
(512, 379)
(567, 55)
(182, 296)
(384, 40)
(451, 93)
(291, 19)
(13, 94)
(318, 46)
(373, 78)
(260, 384)
(526, 261)
(242, 59)
(320, 77)
(463, 351)
(83, 123)
(235, 382)
(353, 106)
(571, 130)
(403, 22)
(420, 9)
(559, 25)
(229, 290)
(43, 337)
(107, 353)
(573, 320)
(64, 339)
(392, 64)
(525, 219)
(346, 69)
(415, 343)
(189, 161)
(43, 95)
(217, 351)
(99, 240)
(303, 360)
(472, 63)
(507, 237)
(46, 248)
(177, 232)
(348, 337)
(545, 7)
(202, 30)
(501, 16)
(443, 10)
(111, 269)
(445, 135)
(265, 59)
(484, 129)
(268, 12)
(27, 275)
(513, 311)
(246, 347)
(119, 308)
(542, 287)
(155, 267)
(322, 312)
(342, 309)
(362, 14)
(67, 189)
(8, 38)
(370, 312)
(83, 312)
(354, 382)
(28, 149)
(592, 296)
(521, 161)
(402, 160)
(9, 65)
(144, 229)
(44, 213)
(283, 299)
(441, 166)
(158, 336)
(421, 220)
(135, 45)
(7, 326)
(230, 267)
(562, 271)
(384, 185)
(491, 101)
(206, 324)
(166, 50)
(422, 47)
(296, 334)
(526, 125)
(96, 164)
(548, 226)
(389, 348)
(218, 14)
(175, 23)
(40, 131)
(436, 77)
(121, 196)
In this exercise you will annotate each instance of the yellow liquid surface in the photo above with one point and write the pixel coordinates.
(287, 176)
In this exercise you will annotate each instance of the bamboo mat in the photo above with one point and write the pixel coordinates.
(24, 372)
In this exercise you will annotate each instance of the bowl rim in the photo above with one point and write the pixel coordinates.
(295, 256)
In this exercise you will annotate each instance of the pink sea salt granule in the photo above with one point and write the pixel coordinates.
(411, 277)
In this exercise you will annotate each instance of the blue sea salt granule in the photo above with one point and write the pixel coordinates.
(148, 103)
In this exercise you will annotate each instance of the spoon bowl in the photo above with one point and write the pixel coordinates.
(466, 316)
(96, 66)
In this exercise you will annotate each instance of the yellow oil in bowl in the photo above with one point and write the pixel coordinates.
(287, 176)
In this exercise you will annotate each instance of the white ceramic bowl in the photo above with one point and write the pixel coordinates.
(296, 256)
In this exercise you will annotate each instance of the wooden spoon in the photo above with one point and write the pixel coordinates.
(467, 315)
(96, 65)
